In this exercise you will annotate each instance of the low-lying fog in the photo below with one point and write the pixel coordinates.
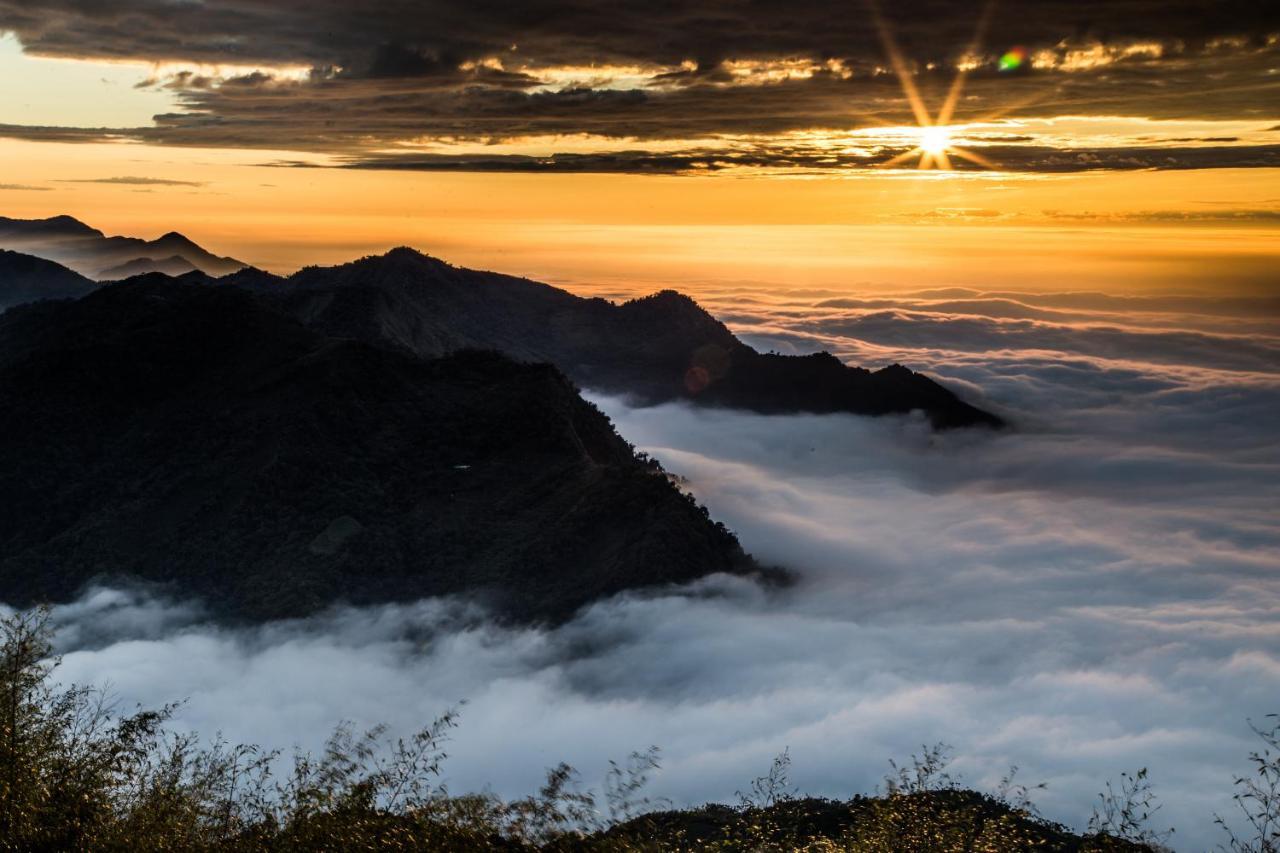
(1093, 592)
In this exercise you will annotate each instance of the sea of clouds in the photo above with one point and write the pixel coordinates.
(1093, 591)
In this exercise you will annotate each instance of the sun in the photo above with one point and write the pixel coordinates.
(935, 144)
(932, 135)
(935, 140)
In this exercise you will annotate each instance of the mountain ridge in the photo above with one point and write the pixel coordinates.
(26, 278)
(658, 348)
(174, 265)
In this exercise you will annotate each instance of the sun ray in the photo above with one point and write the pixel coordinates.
(899, 63)
(957, 85)
(974, 157)
(901, 158)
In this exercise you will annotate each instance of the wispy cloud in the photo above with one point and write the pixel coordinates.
(1262, 215)
(131, 180)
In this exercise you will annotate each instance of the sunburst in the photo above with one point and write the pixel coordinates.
(934, 134)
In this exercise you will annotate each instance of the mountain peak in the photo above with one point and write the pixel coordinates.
(401, 264)
(404, 252)
(53, 226)
(667, 302)
(400, 256)
(667, 295)
(70, 223)
(407, 254)
(175, 237)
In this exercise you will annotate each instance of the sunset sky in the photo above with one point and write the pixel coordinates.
(1130, 145)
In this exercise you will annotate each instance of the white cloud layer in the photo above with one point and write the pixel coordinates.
(1094, 592)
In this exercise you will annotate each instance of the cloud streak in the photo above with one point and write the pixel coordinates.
(382, 40)
(134, 181)
(783, 157)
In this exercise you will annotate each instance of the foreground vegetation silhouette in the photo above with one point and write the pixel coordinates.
(76, 775)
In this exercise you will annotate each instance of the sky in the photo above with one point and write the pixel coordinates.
(1089, 247)
(1131, 144)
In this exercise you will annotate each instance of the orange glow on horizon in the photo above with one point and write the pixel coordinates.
(1120, 231)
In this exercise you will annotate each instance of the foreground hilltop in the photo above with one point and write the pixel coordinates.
(192, 436)
(660, 348)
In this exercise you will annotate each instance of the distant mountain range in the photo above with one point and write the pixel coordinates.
(91, 253)
(174, 265)
(197, 438)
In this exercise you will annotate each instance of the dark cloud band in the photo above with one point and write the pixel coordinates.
(389, 73)
(1007, 158)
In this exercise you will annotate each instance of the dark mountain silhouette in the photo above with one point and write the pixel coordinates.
(659, 348)
(174, 265)
(24, 278)
(194, 437)
(91, 253)
(59, 227)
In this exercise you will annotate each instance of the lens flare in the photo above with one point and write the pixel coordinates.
(1013, 59)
